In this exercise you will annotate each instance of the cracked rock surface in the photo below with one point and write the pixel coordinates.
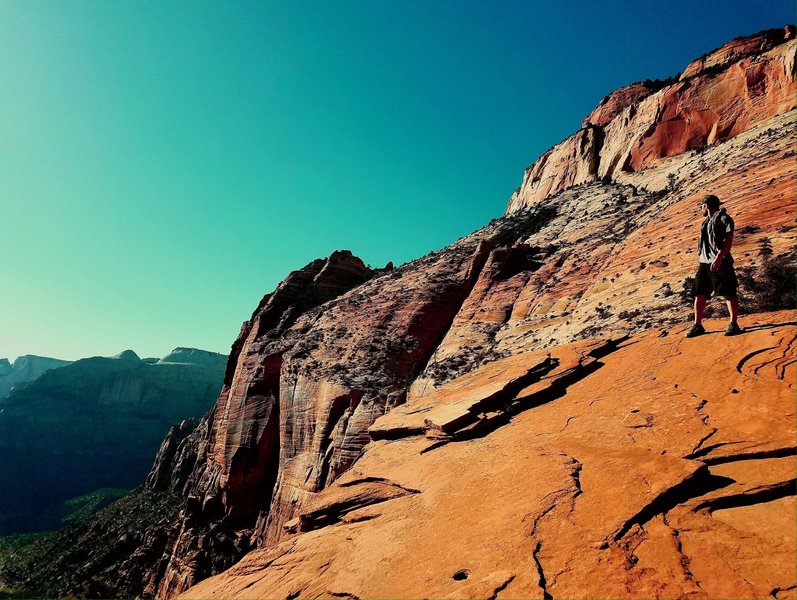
(559, 497)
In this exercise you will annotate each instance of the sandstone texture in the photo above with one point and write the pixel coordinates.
(95, 423)
(24, 369)
(641, 467)
(594, 258)
(717, 97)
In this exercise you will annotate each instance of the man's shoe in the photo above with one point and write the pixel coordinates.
(696, 330)
(733, 329)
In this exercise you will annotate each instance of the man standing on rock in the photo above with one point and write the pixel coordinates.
(715, 274)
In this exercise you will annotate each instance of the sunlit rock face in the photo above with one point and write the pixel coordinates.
(620, 468)
(579, 254)
(717, 97)
(95, 423)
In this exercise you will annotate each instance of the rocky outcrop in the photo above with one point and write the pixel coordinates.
(616, 102)
(588, 260)
(737, 49)
(95, 423)
(618, 469)
(24, 369)
(719, 96)
(307, 383)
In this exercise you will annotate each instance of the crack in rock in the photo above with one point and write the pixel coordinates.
(774, 593)
(331, 505)
(755, 455)
(708, 449)
(758, 495)
(699, 445)
(501, 588)
(543, 585)
(699, 483)
(750, 355)
(685, 561)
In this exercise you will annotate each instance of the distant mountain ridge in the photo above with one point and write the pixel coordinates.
(25, 368)
(94, 423)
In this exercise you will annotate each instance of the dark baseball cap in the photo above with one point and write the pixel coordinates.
(711, 200)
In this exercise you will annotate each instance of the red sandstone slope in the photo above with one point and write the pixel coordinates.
(603, 257)
(653, 467)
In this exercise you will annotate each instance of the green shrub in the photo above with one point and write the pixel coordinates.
(772, 286)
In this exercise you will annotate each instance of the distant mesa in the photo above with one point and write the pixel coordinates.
(103, 419)
(178, 356)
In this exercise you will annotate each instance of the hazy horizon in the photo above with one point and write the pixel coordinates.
(166, 165)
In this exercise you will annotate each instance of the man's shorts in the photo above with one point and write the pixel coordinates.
(719, 283)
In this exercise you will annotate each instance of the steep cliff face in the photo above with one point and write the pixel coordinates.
(727, 92)
(92, 424)
(24, 369)
(299, 399)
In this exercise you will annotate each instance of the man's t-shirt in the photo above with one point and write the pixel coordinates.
(712, 236)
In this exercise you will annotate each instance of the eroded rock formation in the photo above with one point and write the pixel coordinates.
(635, 468)
(595, 258)
(366, 415)
(717, 97)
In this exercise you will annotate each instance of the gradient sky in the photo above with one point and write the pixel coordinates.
(165, 164)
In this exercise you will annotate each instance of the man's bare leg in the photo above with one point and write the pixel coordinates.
(733, 309)
(700, 306)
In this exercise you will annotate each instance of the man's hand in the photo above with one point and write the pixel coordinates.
(726, 248)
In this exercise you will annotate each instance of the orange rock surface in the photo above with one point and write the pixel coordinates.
(723, 94)
(646, 467)
(613, 104)
(738, 48)
(611, 258)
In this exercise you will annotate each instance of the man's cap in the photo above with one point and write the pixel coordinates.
(711, 200)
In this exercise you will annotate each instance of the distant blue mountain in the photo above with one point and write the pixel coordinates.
(95, 423)
(24, 369)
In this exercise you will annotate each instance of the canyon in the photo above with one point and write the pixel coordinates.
(517, 414)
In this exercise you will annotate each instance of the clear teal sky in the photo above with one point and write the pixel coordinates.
(165, 164)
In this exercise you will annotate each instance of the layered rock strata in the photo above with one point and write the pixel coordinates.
(593, 258)
(717, 97)
(340, 365)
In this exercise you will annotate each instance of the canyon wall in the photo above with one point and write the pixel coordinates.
(717, 97)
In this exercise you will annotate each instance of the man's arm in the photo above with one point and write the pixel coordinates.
(726, 247)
